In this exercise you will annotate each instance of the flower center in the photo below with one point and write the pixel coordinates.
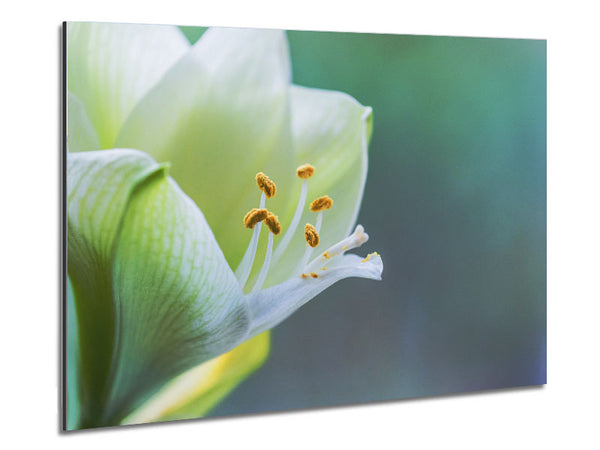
(256, 216)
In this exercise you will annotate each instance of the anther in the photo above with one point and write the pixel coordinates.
(272, 222)
(254, 216)
(314, 275)
(265, 184)
(311, 235)
(305, 171)
(321, 203)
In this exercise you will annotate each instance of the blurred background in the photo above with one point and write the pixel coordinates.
(455, 203)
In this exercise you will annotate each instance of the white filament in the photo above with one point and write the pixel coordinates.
(287, 237)
(309, 249)
(265, 267)
(243, 270)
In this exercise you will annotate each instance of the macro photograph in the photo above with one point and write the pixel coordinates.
(263, 220)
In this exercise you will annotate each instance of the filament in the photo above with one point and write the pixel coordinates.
(243, 270)
(287, 237)
(265, 267)
(309, 249)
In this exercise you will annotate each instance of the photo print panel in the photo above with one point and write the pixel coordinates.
(266, 220)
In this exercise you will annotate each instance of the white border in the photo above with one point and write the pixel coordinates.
(563, 413)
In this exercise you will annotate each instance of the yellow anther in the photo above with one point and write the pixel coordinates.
(311, 235)
(323, 268)
(254, 216)
(327, 255)
(321, 203)
(265, 184)
(304, 275)
(305, 171)
(314, 275)
(272, 222)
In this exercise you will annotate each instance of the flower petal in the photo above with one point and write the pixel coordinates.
(98, 189)
(331, 131)
(219, 116)
(81, 134)
(72, 363)
(111, 66)
(145, 257)
(271, 306)
(197, 391)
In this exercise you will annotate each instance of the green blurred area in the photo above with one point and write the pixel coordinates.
(455, 203)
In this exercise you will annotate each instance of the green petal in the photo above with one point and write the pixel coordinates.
(72, 363)
(219, 116)
(111, 66)
(331, 131)
(197, 391)
(152, 287)
(98, 190)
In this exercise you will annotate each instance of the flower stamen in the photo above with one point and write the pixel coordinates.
(254, 216)
(243, 270)
(265, 268)
(304, 172)
(265, 184)
(311, 235)
(321, 204)
(272, 221)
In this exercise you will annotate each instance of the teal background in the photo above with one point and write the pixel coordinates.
(455, 203)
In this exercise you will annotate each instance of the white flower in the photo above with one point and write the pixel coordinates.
(154, 233)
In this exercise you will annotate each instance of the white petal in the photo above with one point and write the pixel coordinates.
(218, 117)
(331, 131)
(111, 66)
(271, 306)
(81, 134)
